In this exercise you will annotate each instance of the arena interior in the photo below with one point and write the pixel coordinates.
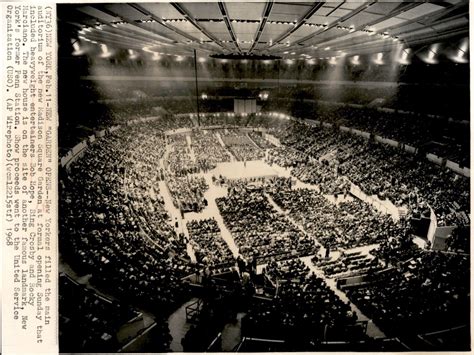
(264, 176)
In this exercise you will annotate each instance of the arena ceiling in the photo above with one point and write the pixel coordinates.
(288, 29)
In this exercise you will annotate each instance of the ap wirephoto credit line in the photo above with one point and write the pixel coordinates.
(29, 178)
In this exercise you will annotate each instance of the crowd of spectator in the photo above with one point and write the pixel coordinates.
(460, 240)
(426, 293)
(403, 178)
(397, 248)
(346, 225)
(322, 174)
(241, 146)
(388, 172)
(348, 264)
(223, 119)
(140, 186)
(451, 137)
(260, 140)
(126, 99)
(304, 312)
(188, 192)
(292, 269)
(113, 223)
(208, 150)
(257, 228)
(180, 162)
(88, 321)
(104, 230)
(209, 247)
(125, 110)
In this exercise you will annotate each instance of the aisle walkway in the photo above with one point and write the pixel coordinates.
(211, 211)
(255, 144)
(188, 140)
(340, 198)
(174, 213)
(232, 333)
(210, 194)
(293, 222)
(219, 138)
(175, 216)
(190, 147)
(328, 156)
(213, 193)
(372, 330)
(178, 326)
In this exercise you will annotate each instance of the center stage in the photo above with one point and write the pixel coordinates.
(241, 170)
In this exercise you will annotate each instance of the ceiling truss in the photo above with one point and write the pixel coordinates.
(218, 28)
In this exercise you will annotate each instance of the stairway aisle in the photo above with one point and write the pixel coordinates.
(178, 326)
(211, 210)
(173, 212)
(254, 143)
(190, 147)
(219, 138)
(292, 221)
(372, 330)
(213, 193)
(175, 216)
(232, 334)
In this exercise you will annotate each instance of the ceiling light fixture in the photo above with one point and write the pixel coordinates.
(355, 60)
(379, 59)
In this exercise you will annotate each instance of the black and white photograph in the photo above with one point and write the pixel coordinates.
(280, 176)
